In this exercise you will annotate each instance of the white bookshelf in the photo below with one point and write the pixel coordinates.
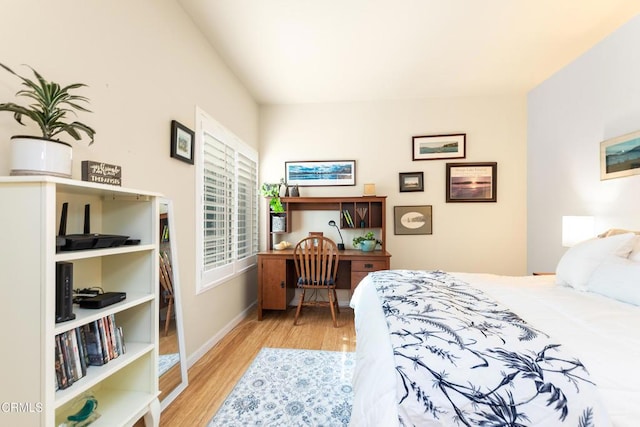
(126, 387)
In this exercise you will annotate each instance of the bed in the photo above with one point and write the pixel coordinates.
(453, 349)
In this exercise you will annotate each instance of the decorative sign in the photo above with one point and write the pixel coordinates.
(101, 173)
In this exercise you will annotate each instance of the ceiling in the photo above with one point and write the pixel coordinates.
(309, 51)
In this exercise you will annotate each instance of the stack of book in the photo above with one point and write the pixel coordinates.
(348, 219)
(94, 343)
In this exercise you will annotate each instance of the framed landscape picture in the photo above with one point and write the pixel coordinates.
(435, 147)
(620, 156)
(318, 173)
(472, 182)
(411, 181)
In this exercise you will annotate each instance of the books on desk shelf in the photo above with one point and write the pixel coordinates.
(347, 218)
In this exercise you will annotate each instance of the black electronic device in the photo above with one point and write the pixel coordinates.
(64, 291)
(86, 240)
(102, 300)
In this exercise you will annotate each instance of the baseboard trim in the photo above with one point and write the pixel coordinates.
(199, 353)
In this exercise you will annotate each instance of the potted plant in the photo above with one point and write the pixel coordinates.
(367, 243)
(278, 219)
(49, 107)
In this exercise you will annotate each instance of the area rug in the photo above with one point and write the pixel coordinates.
(166, 362)
(286, 387)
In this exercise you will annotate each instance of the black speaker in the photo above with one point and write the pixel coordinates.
(64, 292)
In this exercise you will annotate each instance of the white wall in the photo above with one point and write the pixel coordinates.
(595, 98)
(145, 64)
(478, 237)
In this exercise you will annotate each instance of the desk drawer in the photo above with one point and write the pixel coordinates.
(368, 265)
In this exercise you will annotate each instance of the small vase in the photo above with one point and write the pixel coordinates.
(293, 191)
(367, 245)
(283, 190)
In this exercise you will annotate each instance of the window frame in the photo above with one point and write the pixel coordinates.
(209, 279)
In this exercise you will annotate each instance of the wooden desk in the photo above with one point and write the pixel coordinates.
(276, 274)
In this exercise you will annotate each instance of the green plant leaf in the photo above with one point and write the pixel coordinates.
(51, 104)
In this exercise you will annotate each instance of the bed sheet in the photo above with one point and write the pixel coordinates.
(603, 333)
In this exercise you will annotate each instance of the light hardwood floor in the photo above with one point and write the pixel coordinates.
(212, 378)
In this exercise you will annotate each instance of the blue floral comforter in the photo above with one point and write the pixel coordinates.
(465, 360)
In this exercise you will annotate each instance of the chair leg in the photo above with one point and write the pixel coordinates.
(335, 299)
(295, 320)
(168, 319)
(332, 302)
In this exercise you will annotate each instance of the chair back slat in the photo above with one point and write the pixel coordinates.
(316, 261)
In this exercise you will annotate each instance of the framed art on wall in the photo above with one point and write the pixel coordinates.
(620, 156)
(181, 142)
(412, 220)
(411, 181)
(318, 173)
(435, 147)
(472, 182)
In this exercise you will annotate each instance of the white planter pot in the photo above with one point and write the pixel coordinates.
(37, 156)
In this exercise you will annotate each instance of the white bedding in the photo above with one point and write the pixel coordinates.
(603, 333)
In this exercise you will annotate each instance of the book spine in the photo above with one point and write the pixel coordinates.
(94, 345)
(75, 355)
(348, 218)
(104, 340)
(61, 374)
(66, 355)
(123, 347)
(81, 350)
(111, 321)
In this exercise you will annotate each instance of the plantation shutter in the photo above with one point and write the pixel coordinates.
(247, 206)
(219, 171)
(228, 193)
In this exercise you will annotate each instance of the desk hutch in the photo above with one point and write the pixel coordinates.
(276, 271)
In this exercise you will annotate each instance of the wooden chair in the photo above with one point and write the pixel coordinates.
(316, 260)
(166, 282)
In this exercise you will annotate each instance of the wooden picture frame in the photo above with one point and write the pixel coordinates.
(412, 220)
(620, 156)
(472, 182)
(437, 147)
(320, 173)
(182, 141)
(411, 181)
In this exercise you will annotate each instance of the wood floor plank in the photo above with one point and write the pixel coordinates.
(213, 377)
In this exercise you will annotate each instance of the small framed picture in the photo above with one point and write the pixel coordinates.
(411, 181)
(436, 147)
(181, 142)
(620, 156)
(472, 182)
(412, 219)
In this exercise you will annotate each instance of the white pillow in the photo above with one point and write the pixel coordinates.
(635, 252)
(577, 264)
(617, 278)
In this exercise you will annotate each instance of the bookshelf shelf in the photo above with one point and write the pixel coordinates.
(126, 386)
(96, 374)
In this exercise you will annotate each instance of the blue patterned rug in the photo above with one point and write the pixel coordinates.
(285, 387)
(166, 362)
